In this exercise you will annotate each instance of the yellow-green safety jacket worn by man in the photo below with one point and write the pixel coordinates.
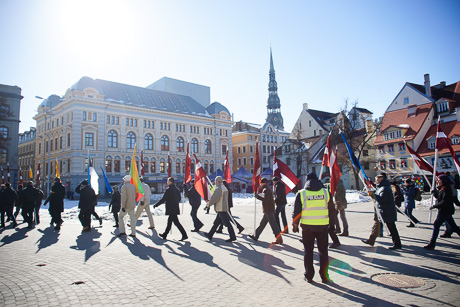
(312, 208)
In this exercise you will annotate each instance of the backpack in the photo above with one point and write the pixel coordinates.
(418, 194)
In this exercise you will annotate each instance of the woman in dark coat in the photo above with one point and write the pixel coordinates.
(445, 206)
(116, 204)
(56, 200)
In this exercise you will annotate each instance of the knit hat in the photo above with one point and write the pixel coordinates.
(219, 179)
(127, 178)
(312, 176)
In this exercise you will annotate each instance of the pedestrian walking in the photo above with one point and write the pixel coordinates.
(194, 199)
(7, 202)
(268, 209)
(94, 213)
(219, 199)
(86, 204)
(454, 184)
(446, 209)
(18, 204)
(280, 201)
(397, 193)
(340, 205)
(144, 204)
(313, 208)
(56, 200)
(409, 193)
(115, 203)
(128, 203)
(29, 197)
(230, 206)
(38, 204)
(387, 209)
(171, 198)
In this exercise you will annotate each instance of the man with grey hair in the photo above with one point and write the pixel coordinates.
(144, 204)
(128, 203)
(219, 199)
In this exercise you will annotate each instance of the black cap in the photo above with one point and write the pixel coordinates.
(312, 176)
(84, 182)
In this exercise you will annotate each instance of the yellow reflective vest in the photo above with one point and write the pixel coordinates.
(314, 207)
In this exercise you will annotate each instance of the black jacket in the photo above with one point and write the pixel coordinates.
(385, 201)
(9, 198)
(280, 194)
(115, 202)
(315, 185)
(172, 199)
(193, 196)
(87, 197)
(56, 198)
(29, 197)
(445, 202)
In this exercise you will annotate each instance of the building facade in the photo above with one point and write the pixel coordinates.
(10, 105)
(26, 154)
(106, 120)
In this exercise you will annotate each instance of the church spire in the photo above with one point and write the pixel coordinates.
(273, 104)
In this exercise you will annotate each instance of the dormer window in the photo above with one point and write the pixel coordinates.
(443, 107)
(431, 145)
(455, 140)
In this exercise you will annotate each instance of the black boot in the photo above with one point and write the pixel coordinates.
(430, 246)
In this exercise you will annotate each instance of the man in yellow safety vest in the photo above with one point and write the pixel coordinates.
(312, 207)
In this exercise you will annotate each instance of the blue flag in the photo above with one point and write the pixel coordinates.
(89, 165)
(359, 169)
(109, 188)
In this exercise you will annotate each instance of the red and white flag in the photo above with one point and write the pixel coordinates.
(421, 163)
(257, 171)
(334, 171)
(201, 184)
(169, 166)
(327, 151)
(442, 141)
(227, 173)
(284, 173)
(188, 165)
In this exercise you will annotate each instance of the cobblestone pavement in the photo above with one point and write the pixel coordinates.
(48, 268)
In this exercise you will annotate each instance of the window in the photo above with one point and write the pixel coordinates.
(250, 137)
(94, 117)
(112, 139)
(60, 142)
(244, 149)
(39, 148)
(194, 145)
(402, 146)
(443, 107)
(162, 166)
(383, 165)
(366, 165)
(288, 161)
(406, 100)
(84, 115)
(108, 164)
(177, 167)
(152, 166)
(454, 140)
(127, 122)
(148, 142)
(164, 144)
(180, 144)
(211, 168)
(365, 153)
(432, 145)
(309, 124)
(3, 155)
(55, 144)
(264, 149)
(398, 134)
(381, 149)
(135, 122)
(116, 165)
(3, 132)
(117, 120)
(392, 164)
(108, 119)
(130, 140)
(51, 145)
(68, 165)
(224, 151)
(391, 148)
(68, 139)
(244, 161)
(252, 161)
(239, 150)
(207, 147)
(127, 164)
(239, 161)
(206, 168)
(403, 163)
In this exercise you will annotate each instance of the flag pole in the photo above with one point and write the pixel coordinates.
(433, 182)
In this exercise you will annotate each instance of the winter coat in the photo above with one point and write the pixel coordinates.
(115, 202)
(9, 198)
(445, 201)
(280, 194)
(128, 196)
(340, 196)
(385, 201)
(87, 197)
(171, 198)
(268, 202)
(230, 197)
(397, 195)
(409, 195)
(193, 196)
(219, 198)
(56, 198)
(29, 197)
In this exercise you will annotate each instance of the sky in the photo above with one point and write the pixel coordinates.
(324, 52)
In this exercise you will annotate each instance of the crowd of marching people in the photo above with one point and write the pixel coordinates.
(317, 212)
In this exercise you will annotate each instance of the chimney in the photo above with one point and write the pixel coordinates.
(427, 86)
(305, 106)
(443, 84)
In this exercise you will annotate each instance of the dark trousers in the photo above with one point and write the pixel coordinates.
(221, 226)
(393, 232)
(174, 219)
(224, 219)
(56, 218)
(16, 212)
(37, 214)
(28, 215)
(308, 238)
(408, 212)
(440, 219)
(197, 224)
(267, 218)
(9, 212)
(85, 217)
(343, 217)
(281, 209)
(115, 216)
(95, 214)
(332, 232)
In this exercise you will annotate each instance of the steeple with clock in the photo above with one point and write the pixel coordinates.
(273, 104)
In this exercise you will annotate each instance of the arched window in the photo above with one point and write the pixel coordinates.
(164, 143)
(112, 139)
(207, 147)
(130, 140)
(148, 144)
(180, 144)
(116, 164)
(146, 165)
(194, 145)
(108, 164)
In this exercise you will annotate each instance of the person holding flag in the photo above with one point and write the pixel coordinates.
(172, 198)
(144, 204)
